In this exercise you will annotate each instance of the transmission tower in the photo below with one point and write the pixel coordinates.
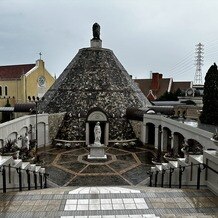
(199, 62)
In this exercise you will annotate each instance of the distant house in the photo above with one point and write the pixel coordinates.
(17, 82)
(156, 86)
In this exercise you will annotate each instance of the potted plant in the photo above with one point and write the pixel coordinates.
(215, 137)
(10, 148)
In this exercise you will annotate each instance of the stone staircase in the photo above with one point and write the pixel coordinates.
(18, 175)
(199, 170)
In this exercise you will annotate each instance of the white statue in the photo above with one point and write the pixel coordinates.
(185, 150)
(17, 155)
(26, 141)
(97, 131)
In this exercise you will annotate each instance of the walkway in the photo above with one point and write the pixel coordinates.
(124, 166)
(109, 202)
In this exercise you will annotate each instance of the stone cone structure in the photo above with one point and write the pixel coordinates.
(94, 79)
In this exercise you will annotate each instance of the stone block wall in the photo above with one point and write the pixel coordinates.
(54, 122)
(136, 126)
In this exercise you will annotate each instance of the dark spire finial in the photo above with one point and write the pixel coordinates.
(96, 31)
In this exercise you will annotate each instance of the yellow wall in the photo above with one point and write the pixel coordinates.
(27, 85)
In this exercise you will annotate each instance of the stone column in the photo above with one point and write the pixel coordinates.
(156, 133)
(146, 133)
(164, 140)
(47, 138)
(106, 134)
(143, 133)
(176, 144)
(87, 133)
(172, 140)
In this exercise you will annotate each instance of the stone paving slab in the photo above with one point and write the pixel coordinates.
(124, 166)
(109, 201)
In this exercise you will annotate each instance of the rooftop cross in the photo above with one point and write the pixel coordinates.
(40, 55)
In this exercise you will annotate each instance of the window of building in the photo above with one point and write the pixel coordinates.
(6, 90)
(0, 91)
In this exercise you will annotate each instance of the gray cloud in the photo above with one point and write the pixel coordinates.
(146, 35)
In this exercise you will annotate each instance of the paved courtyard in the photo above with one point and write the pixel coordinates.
(70, 167)
(109, 202)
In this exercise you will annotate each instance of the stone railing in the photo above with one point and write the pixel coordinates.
(18, 175)
(201, 170)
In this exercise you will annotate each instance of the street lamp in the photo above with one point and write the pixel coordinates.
(36, 100)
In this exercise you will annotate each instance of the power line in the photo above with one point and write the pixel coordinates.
(187, 56)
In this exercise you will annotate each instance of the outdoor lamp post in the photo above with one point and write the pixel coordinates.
(36, 100)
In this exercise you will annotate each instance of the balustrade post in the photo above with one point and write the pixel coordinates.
(28, 178)
(35, 179)
(155, 182)
(170, 176)
(40, 176)
(150, 176)
(162, 178)
(199, 175)
(45, 177)
(181, 170)
(4, 179)
(20, 178)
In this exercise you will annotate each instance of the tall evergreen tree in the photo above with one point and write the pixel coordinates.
(210, 99)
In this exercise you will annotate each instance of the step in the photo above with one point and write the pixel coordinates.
(153, 169)
(17, 163)
(196, 159)
(37, 169)
(25, 165)
(211, 155)
(165, 166)
(32, 167)
(158, 167)
(182, 162)
(6, 160)
(174, 164)
(42, 170)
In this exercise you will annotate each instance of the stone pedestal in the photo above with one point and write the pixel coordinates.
(96, 43)
(97, 152)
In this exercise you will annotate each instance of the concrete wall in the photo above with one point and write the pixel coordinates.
(26, 124)
(189, 132)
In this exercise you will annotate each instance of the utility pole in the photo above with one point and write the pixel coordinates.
(199, 62)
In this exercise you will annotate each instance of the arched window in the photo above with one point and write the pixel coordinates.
(6, 90)
(0, 91)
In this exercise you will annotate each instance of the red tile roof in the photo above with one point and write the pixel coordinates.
(182, 85)
(146, 85)
(11, 72)
(159, 85)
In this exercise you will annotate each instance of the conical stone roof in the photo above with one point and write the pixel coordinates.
(94, 79)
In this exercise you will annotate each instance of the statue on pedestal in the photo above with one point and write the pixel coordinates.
(97, 132)
(185, 149)
(96, 31)
(26, 141)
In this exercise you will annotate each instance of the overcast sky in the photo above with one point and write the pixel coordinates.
(145, 35)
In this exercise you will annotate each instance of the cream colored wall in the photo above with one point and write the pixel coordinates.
(31, 82)
(13, 92)
(26, 86)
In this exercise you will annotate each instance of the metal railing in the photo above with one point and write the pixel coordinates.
(181, 169)
(20, 173)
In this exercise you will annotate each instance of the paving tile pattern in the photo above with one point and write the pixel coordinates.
(109, 202)
(124, 166)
